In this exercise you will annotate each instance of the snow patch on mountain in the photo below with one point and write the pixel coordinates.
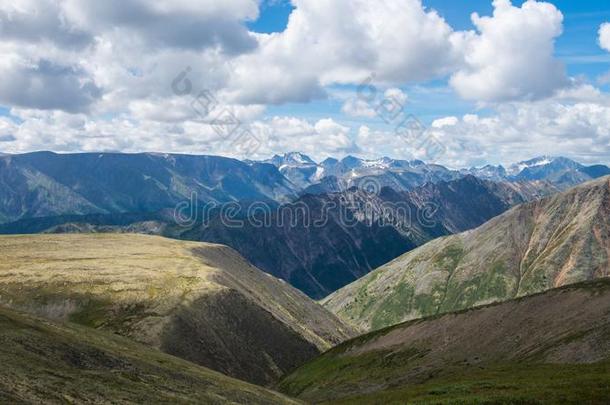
(517, 168)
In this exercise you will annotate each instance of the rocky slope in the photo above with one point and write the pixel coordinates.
(536, 246)
(548, 348)
(58, 363)
(200, 302)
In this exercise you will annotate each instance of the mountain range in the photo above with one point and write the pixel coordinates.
(91, 312)
(333, 175)
(560, 171)
(43, 184)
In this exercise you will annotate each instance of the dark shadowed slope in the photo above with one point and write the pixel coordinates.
(534, 247)
(553, 347)
(56, 363)
(200, 302)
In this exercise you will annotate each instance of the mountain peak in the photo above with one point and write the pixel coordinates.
(329, 162)
(540, 160)
(351, 159)
(352, 162)
(291, 159)
(518, 167)
(298, 157)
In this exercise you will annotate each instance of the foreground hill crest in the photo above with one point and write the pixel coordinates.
(201, 302)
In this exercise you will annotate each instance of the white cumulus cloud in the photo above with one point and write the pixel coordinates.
(604, 36)
(511, 57)
(360, 105)
(344, 41)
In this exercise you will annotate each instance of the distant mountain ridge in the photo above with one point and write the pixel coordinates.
(560, 171)
(44, 184)
(332, 175)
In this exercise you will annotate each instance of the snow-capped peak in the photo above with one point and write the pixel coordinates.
(382, 163)
(292, 159)
(517, 168)
(298, 158)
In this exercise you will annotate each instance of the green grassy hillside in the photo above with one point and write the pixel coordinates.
(534, 247)
(54, 363)
(552, 347)
(200, 302)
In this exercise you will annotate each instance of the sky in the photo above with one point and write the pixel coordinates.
(456, 83)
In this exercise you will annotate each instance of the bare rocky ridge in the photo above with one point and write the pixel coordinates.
(534, 247)
(551, 347)
(201, 302)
